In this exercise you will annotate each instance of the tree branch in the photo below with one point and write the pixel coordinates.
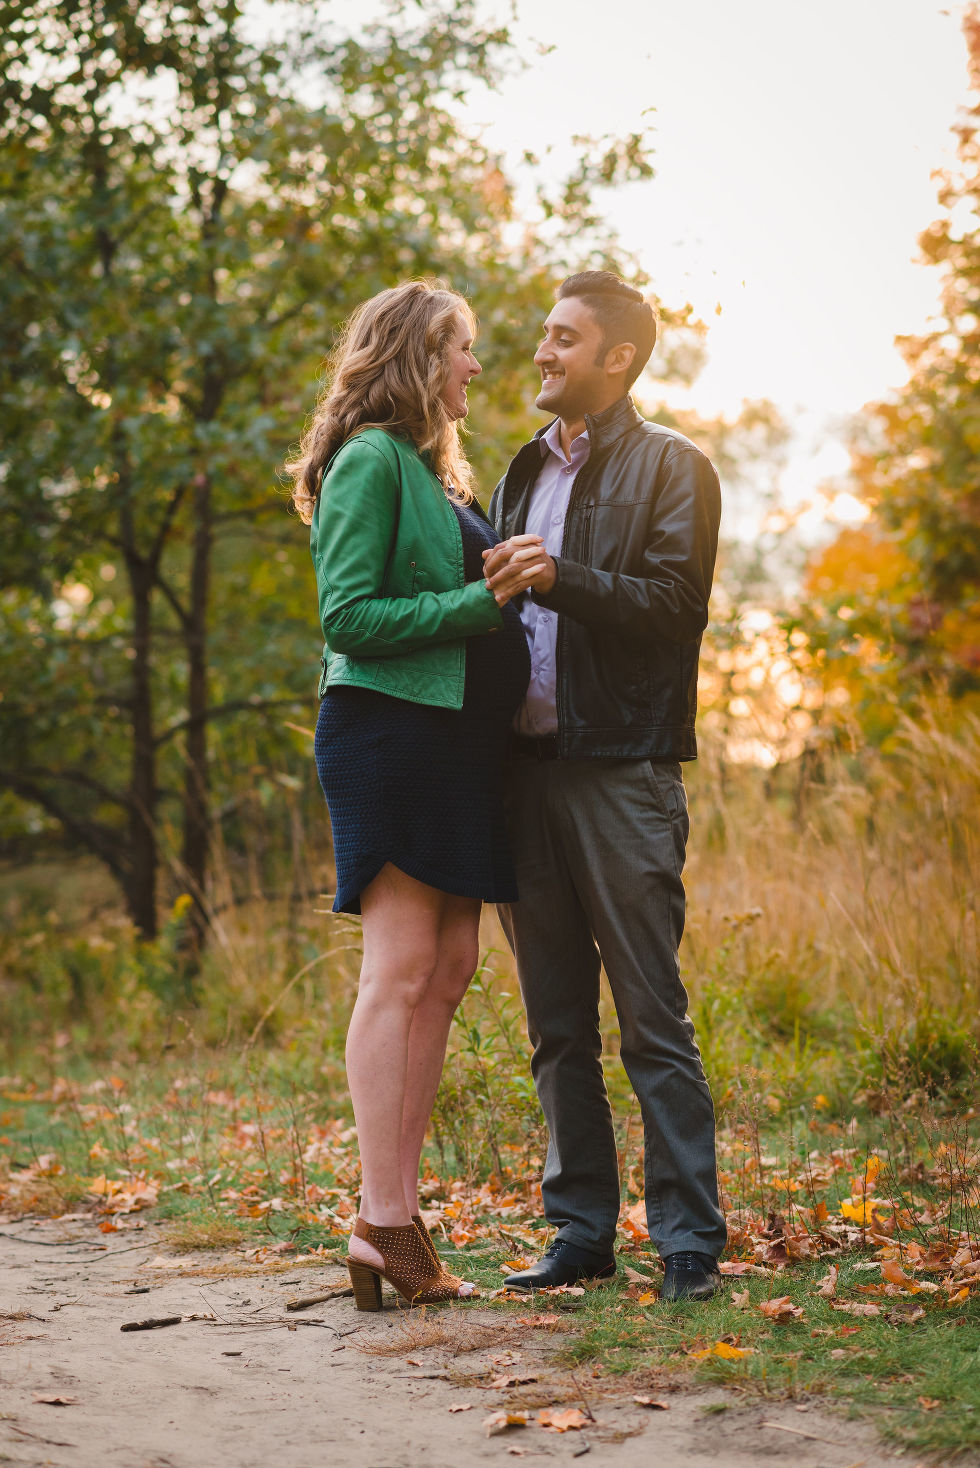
(159, 540)
(103, 841)
(78, 777)
(182, 614)
(238, 706)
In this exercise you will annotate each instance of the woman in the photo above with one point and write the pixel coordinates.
(423, 669)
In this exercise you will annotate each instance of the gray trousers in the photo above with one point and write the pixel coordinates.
(599, 849)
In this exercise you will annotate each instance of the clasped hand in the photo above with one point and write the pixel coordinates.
(518, 564)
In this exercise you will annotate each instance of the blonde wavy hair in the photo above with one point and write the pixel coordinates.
(388, 370)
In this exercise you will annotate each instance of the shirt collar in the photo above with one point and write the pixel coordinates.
(550, 442)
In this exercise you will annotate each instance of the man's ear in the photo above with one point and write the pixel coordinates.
(620, 358)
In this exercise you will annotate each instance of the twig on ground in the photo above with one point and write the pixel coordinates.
(585, 1402)
(800, 1432)
(153, 1324)
(303, 1302)
(54, 1442)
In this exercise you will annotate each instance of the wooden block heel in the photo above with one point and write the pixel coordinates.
(367, 1286)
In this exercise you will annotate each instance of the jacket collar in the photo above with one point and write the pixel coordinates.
(606, 427)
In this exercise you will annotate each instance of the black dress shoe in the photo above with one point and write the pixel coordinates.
(690, 1276)
(563, 1264)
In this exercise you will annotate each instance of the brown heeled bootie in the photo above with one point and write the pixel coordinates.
(409, 1267)
(426, 1238)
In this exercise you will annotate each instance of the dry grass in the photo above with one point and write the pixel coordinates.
(187, 1235)
(449, 1331)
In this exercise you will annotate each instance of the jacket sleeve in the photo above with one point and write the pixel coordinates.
(354, 526)
(493, 509)
(669, 600)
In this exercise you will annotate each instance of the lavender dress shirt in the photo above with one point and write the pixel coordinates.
(538, 714)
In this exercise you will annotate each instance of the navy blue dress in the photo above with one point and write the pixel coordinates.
(421, 787)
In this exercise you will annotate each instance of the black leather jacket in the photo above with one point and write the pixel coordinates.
(634, 577)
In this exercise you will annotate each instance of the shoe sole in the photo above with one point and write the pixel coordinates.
(529, 1289)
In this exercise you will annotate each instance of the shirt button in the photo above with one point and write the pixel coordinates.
(556, 520)
(568, 469)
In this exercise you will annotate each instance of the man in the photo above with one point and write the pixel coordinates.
(611, 524)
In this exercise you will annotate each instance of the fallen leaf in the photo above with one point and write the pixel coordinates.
(557, 1420)
(929, 1404)
(501, 1383)
(511, 1266)
(563, 1290)
(635, 1222)
(539, 1322)
(462, 1407)
(893, 1272)
(55, 1401)
(905, 1315)
(861, 1210)
(828, 1285)
(781, 1308)
(740, 1299)
(652, 1403)
(633, 1276)
(500, 1421)
(856, 1307)
(724, 1350)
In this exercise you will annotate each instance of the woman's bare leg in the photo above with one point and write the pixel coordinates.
(458, 950)
(401, 919)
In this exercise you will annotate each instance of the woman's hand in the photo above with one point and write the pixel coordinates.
(516, 565)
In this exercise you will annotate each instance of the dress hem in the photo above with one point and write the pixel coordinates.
(349, 900)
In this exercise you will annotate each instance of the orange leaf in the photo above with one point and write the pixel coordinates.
(929, 1404)
(893, 1272)
(500, 1421)
(635, 1222)
(781, 1308)
(557, 1420)
(652, 1403)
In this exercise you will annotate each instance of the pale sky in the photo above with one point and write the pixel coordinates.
(794, 148)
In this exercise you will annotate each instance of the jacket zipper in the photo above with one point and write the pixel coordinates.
(586, 536)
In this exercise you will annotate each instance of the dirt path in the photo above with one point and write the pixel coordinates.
(251, 1393)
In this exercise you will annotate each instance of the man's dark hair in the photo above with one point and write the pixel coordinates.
(620, 310)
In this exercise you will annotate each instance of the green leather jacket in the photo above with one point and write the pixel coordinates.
(388, 553)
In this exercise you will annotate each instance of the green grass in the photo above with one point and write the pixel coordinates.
(876, 1368)
(226, 1147)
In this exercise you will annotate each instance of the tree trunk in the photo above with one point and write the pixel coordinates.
(197, 825)
(141, 883)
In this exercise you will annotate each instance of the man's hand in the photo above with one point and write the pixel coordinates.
(518, 564)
